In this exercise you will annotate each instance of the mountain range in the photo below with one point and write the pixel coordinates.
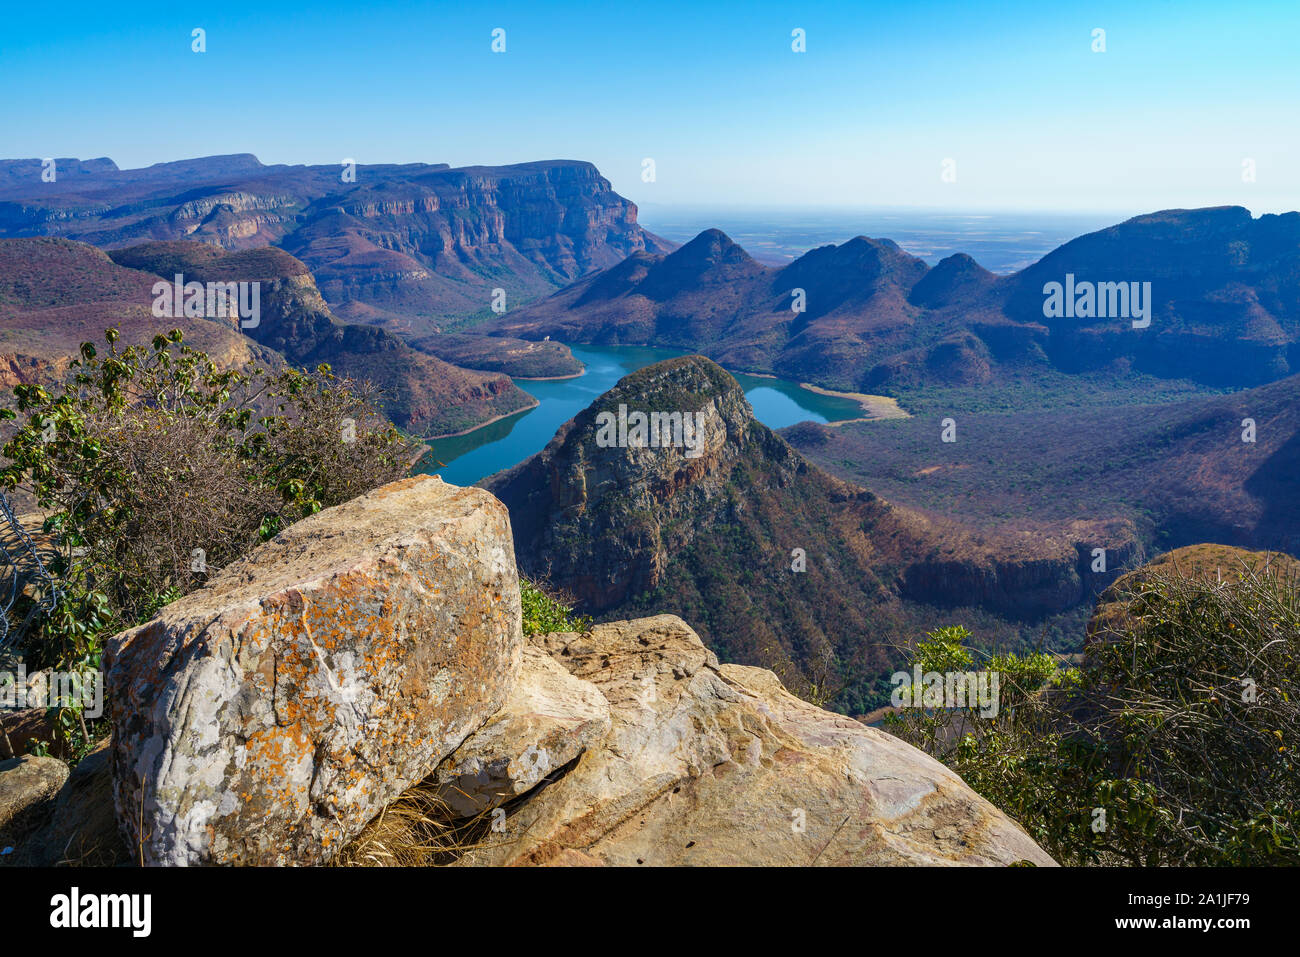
(402, 246)
(1224, 307)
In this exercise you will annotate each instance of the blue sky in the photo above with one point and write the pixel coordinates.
(1013, 92)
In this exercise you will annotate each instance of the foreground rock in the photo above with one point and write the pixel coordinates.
(82, 829)
(266, 717)
(549, 719)
(709, 764)
(26, 786)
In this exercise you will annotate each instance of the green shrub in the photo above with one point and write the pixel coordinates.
(544, 614)
(1174, 744)
(154, 468)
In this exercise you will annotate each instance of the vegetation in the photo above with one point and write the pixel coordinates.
(1023, 468)
(1174, 744)
(154, 468)
(544, 614)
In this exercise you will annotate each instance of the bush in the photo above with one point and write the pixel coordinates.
(155, 468)
(1175, 743)
(544, 614)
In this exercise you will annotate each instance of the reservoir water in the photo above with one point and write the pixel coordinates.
(503, 444)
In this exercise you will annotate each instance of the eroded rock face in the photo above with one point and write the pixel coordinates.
(548, 720)
(265, 718)
(709, 764)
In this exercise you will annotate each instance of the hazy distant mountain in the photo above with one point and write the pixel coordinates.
(712, 537)
(1224, 307)
(403, 245)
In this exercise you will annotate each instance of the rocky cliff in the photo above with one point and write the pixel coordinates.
(401, 245)
(374, 651)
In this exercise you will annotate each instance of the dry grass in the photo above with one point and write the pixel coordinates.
(417, 830)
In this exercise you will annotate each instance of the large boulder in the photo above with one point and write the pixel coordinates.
(549, 719)
(710, 764)
(265, 718)
(27, 786)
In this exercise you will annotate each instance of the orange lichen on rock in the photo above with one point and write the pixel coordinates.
(267, 717)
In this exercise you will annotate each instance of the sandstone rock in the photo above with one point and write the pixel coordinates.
(712, 764)
(266, 717)
(83, 829)
(549, 719)
(26, 786)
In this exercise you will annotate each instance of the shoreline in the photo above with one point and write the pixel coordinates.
(550, 378)
(474, 428)
(877, 407)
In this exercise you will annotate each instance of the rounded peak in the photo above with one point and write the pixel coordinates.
(711, 246)
(690, 381)
(961, 262)
(950, 279)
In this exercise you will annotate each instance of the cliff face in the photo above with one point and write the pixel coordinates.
(770, 559)
(400, 245)
(422, 393)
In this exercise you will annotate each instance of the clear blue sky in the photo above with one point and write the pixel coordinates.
(885, 92)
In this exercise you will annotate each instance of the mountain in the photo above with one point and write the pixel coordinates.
(712, 537)
(405, 246)
(1223, 287)
(1225, 294)
(55, 294)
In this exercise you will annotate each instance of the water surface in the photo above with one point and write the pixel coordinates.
(501, 445)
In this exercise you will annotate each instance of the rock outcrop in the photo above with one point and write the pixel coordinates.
(376, 647)
(265, 718)
(27, 785)
(548, 720)
(709, 764)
